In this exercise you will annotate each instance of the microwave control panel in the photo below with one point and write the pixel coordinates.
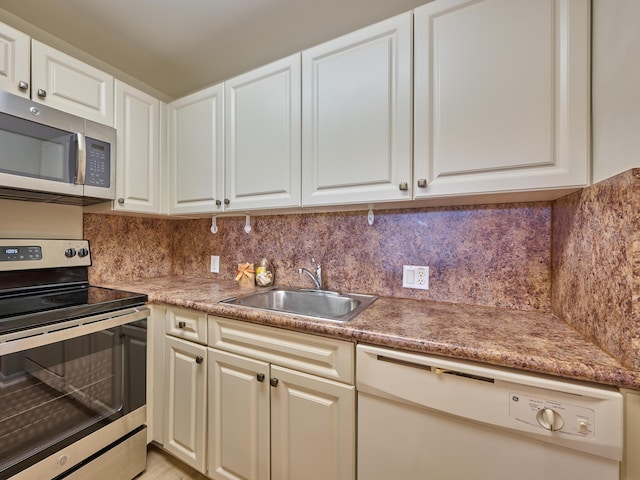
(98, 172)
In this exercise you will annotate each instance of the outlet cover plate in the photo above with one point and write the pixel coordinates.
(414, 276)
(215, 264)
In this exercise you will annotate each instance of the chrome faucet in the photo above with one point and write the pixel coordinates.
(317, 278)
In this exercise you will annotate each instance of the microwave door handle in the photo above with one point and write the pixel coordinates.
(81, 159)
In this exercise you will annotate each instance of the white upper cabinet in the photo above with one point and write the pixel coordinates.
(501, 96)
(15, 67)
(263, 137)
(356, 116)
(196, 152)
(66, 83)
(138, 159)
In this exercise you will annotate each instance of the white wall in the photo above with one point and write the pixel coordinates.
(616, 87)
(39, 220)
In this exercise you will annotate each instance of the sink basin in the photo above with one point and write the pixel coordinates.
(336, 307)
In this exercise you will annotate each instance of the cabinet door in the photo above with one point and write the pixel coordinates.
(263, 137)
(15, 64)
(501, 96)
(137, 167)
(238, 422)
(356, 111)
(68, 84)
(196, 152)
(185, 401)
(312, 427)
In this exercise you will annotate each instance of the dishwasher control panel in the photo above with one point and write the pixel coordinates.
(552, 415)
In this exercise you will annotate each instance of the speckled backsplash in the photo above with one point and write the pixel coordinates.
(596, 264)
(498, 255)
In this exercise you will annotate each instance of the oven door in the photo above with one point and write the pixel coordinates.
(64, 383)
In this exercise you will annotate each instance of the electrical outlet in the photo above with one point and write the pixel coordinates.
(415, 277)
(215, 264)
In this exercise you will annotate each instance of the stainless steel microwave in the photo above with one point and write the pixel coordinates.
(51, 156)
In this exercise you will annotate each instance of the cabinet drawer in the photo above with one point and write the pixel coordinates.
(325, 357)
(188, 324)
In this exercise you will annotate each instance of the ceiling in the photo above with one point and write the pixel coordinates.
(178, 46)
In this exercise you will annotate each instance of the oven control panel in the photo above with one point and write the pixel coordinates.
(28, 254)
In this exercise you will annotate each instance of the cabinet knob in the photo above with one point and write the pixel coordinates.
(199, 359)
(422, 182)
(274, 382)
(22, 85)
(226, 201)
(404, 186)
(260, 377)
(121, 201)
(218, 202)
(182, 324)
(42, 93)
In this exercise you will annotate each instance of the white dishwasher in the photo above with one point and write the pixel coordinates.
(427, 417)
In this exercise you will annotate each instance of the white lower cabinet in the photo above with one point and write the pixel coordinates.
(185, 389)
(312, 427)
(239, 406)
(185, 402)
(268, 420)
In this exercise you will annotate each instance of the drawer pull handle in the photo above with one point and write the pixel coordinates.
(260, 377)
(199, 359)
(42, 93)
(440, 371)
(182, 324)
(274, 382)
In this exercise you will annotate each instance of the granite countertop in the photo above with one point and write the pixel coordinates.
(527, 340)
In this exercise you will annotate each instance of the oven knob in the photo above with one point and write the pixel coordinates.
(70, 252)
(83, 252)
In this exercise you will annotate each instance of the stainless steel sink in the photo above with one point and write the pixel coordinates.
(333, 306)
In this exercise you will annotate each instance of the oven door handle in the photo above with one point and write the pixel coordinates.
(46, 335)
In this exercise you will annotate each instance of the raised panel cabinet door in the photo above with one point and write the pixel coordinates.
(238, 422)
(196, 152)
(312, 427)
(185, 401)
(356, 116)
(138, 161)
(15, 61)
(66, 83)
(501, 96)
(263, 137)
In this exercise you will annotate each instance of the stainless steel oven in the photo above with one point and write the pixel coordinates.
(72, 367)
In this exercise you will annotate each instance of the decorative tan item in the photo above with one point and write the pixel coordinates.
(245, 276)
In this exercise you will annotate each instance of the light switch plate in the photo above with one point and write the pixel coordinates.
(414, 276)
(215, 264)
